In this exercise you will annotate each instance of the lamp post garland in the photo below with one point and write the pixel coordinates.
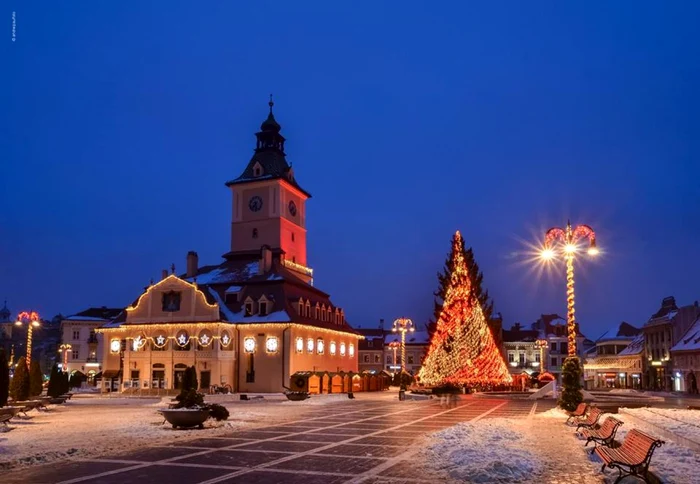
(65, 348)
(403, 325)
(32, 319)
(541, 344)
(569, 237)
(394, 345)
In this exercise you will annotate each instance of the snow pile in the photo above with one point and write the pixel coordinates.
(556, 413)
(485, 451)
(671, 462)
(684, 423)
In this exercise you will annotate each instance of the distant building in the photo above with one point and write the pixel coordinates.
(616, 360)
(685, 355)
(377, 353)
(78, 330)
(664, 329)
(522, 354)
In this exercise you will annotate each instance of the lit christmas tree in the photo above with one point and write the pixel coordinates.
(462, 349)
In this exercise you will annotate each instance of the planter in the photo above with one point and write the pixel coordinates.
(297, 396)
(186, 417)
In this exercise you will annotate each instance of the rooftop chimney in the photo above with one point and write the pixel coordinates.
(192, 263)
(164, 274)
(265, 264)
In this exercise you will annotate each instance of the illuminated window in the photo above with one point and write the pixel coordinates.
(300, 345)
(272, 344)
(249, 344)
(332, 347)
(310, 345)
(320, 346)
(342, 349)
(351, 350)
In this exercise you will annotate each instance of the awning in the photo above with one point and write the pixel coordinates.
(111, 374)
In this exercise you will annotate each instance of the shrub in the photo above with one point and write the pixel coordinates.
(19, 386)
(195, 400)
(36, 379)
(571, 394)
(4, 379)
(55, 382)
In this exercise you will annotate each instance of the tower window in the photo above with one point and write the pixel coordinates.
(255, 233)
(292, 236)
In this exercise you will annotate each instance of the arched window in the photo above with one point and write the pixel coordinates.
(255, 233)
(308, 309)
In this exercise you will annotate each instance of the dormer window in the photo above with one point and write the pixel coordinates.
(263, 308)
(308, 309)
(257, 170)
(248, 306)
(317, 312)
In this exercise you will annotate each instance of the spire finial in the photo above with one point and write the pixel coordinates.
(271, 103)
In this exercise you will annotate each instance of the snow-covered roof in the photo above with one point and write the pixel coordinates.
(621, 331)
(635, 347)
(416, 338)
(690, 340)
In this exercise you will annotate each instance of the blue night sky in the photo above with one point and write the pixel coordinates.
(120, 126)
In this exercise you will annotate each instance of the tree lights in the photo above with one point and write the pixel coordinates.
(462, 349)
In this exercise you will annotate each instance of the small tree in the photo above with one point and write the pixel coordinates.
(571, 394)
(36, 379)
(4, 379)
(19, 386)
(65, 384)
(55, 382)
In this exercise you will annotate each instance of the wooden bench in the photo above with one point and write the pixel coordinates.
(590, 421)
(605, 435)
(632, 457)
(579, 412)
(5, 417)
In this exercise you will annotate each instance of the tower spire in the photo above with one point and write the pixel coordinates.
(271, 103)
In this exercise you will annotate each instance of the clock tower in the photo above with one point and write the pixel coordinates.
(269, 206)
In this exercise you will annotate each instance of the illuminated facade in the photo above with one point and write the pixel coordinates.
(251, 321)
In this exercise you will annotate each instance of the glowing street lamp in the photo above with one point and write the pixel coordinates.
(32, 319)
(65, 349)
(569, 237)
(394, 345)
(541, 344)
(403, 325)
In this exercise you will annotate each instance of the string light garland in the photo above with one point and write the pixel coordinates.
(462, 349)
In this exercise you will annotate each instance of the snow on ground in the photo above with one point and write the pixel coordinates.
(671, 462)
(503, 450)
(89, 426)
(685, 423)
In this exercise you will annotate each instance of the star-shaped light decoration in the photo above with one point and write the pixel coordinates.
(160, 340)
(182, 339)
(225, 339)
(137, 343)
(204, 340)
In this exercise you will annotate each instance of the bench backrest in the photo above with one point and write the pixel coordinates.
(639, 446)
(593, 415)
(609, 426)
(581, 409)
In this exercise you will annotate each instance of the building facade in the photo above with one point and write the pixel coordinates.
(381, 350)
(664, 329)
(685, 355)
(617, 360)
(86, 348)
(251, 321)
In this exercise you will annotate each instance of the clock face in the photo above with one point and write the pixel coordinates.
(115, 346)
(255, 204)
(293, 208)
(271, 344)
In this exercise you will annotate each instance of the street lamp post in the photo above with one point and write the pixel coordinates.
(394, 345)
(541, 345)
(32, 319)
(403, 326)
(569, 237)
(65, 349)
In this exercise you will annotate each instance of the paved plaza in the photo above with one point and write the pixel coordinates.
(355, 442)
